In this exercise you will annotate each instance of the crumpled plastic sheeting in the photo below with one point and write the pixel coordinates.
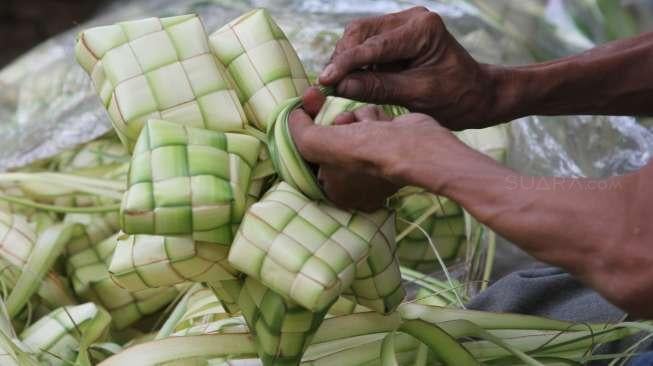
(47, 103)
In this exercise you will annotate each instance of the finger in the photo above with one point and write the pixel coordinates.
(312, 100)
(384, 116)
(395, 45)
(344, 118)
(379, 88)
(358, 30)
(367, 113)
(317, 144)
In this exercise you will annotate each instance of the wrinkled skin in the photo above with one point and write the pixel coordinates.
(597, 229)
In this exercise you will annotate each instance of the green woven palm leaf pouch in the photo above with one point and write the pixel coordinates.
(188, 181)
(94, 228)
(161, 69)
(445, 227)
(55, 338)
(92, 156)
(377, 284)
(152, 261)
(282, 329)
(17, 238)
(88, 271)
(261, 61)
(304, 250)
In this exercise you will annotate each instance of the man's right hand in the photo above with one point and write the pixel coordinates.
(410, 59)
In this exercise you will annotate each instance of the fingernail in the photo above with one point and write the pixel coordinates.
(328, 72)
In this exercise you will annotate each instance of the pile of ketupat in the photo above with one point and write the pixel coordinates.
(200, 236)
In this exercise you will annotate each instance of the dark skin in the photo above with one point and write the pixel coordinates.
(597, 229)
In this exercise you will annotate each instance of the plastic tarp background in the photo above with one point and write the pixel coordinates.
(47, 103)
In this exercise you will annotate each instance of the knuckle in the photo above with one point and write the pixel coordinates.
(355, 26)
(433, 19)
(420, 9)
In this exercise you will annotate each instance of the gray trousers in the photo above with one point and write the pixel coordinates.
(553, 293)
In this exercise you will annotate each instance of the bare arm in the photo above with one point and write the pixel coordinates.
(597, 230)
(410, 58)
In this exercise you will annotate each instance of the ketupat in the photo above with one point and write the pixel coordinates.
(56, 337)
(262, 63)
(308, 251)
(282, 329)
(88, 271)
(441, 221)
(153, 261)
(188, 181)
(162, 69)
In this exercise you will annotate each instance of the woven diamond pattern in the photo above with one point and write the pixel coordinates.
(17, 238)
(55, 338)
(88, 271)
(188, 181)
(151, 261)
(377, 284)
(159, 68)
(282, 329)
(304, 250)
(92, 155)
(445, 226)
(262, 62)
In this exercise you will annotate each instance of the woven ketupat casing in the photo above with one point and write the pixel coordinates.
(188, 181)
(444, 226)
(261, 61)
(151, 261)
(88, 271)
(17, 239)
(55, 338)
(304, 250)
(282, 329)
(159, 68)
(92, 155)
(377, 284)
(94, 229)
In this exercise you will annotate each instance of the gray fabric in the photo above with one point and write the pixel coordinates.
(549, 292)
(553, 293)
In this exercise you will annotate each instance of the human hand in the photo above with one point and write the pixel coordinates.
(412, 149)
(410, 59)
(346, 188)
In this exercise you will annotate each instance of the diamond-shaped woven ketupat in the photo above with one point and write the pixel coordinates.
(377, 284)
(304, 250)
(159, 68)
(55, 338)
(151, 261)
(88, 271)
(282, 329)
(17, 238)
(441, 220)
(261, 61)
(188, 181)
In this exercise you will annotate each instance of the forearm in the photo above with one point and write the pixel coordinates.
(612, 79)
(595, 229)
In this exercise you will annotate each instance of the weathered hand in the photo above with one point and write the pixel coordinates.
(409, 58)
(399, 150)
(346, 188)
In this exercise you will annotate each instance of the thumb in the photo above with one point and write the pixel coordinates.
(376, 87)
(305, 134)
